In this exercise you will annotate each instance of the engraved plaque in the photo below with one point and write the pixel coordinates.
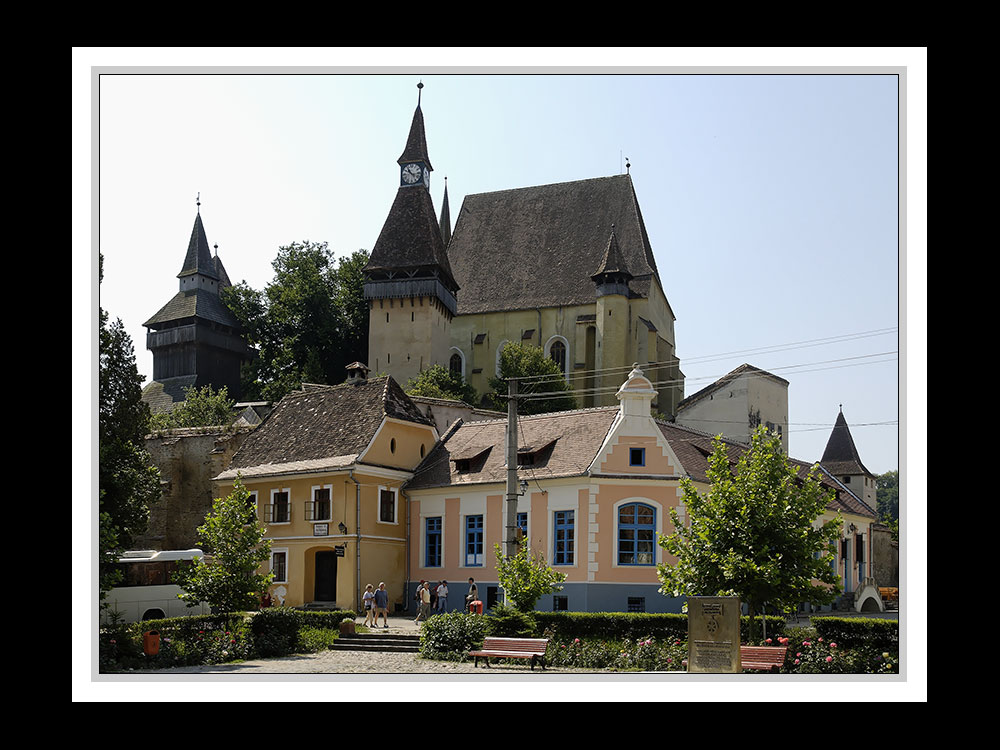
(714, 634)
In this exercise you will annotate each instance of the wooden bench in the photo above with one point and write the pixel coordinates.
(512, 648)
(764, 658)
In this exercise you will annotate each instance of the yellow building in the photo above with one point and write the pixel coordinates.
(567, 267)
(325, 470)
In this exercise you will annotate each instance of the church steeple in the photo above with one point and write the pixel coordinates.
(409, 285)
(199, 268)
(612, 275)
(445, 217)
(414, 163)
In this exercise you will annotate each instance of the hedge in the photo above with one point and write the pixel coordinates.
(619, 625)
(859, 632)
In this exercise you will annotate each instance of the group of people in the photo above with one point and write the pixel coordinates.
(376, 604)
(376, 601)
(436, 600)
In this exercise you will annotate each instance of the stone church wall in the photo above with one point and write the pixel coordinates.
(188, 458)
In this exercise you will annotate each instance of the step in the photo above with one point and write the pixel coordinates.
(377, 642)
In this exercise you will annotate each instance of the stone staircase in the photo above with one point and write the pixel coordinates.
(378, 642)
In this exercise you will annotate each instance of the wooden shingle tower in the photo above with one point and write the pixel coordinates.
(411, 292)
(195, 339)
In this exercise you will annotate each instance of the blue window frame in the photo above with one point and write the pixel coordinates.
(636, 534)
(432, 542)
(474, 540)
(636, 456)
(522, 524)
(564, 538)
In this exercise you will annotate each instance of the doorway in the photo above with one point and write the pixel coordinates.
(326, 576)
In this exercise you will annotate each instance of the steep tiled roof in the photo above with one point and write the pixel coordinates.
(612, 262)
(322, 428)
(566, 442)
(194, 303)
(411, 238)
(841, 456)
(537, 246)
(163, 395)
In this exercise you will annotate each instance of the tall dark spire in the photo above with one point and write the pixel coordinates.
(445, 216)
(199, 257)
(841, 455)
(416, 142)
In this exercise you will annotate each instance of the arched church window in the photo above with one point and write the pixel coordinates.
(557, 353)
(455, 364)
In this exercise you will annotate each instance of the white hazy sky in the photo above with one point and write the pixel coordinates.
(772, 200)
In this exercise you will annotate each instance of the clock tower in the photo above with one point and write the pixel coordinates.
(409, 285)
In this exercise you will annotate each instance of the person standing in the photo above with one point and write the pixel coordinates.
(442, 596)
(369, 604)
(473, 594)
(425, 603)
(381, 605)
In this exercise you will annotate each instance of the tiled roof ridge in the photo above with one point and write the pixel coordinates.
(728, 378)
(547, 185)
(546, 414)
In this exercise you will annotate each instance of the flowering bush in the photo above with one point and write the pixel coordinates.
(816, 655)
(642, 654)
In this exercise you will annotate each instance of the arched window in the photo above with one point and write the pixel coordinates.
(636, 534)
(557, 353)
(455, 364)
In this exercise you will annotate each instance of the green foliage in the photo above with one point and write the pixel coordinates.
(506, 621)
(755, 534)
(228, 580)
(887, 500)
(526, 577)
(526, 361)
(204, 407)
(452, 635)
(612, 625)
(128, 482)
(307, 325)
(215, 639)
(439, 382)
(860, 632)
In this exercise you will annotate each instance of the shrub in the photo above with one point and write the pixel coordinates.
(872, 633)
(450, 636)
(276, 631)
(508, 622)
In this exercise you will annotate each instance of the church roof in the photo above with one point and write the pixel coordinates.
(613, 262)
(416, 142)
(321, 428)
(410, 239)
(537, 246)
(841, 456)
(199, 257)
(194, 303)
(445, 222)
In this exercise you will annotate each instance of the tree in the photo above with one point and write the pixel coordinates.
(128, 482)
(438, 382)
(546, 391)
(755, 534)
(526, 578)
(204, 407)
(887, 495)
(229, 579)
(307, 325)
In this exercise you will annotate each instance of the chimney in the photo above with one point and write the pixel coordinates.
(357, 373)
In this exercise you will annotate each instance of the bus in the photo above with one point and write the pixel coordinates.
(145, 591)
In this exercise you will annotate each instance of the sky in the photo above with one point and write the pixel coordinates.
(771, 201)
(782, 220)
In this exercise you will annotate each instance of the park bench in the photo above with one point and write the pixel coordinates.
(512, 648)
(765, 658)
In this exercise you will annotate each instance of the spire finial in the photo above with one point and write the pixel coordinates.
(420, 85)
(216, 246)
(627, 165)
(197, 201)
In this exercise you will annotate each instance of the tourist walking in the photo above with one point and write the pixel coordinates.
(442, 596)
(369, 604)
(381, 605)
(425, 603)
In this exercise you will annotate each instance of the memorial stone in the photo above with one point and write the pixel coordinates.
(714, 634)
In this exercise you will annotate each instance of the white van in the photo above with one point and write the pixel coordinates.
(145, 592)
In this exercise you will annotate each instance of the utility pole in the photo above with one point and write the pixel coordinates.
(510, 506)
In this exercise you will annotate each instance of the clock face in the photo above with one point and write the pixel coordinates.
(412, 173)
